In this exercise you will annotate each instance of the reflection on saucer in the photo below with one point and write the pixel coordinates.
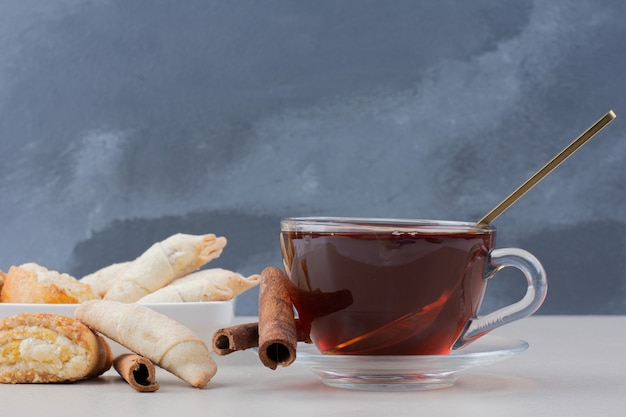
(411, 372)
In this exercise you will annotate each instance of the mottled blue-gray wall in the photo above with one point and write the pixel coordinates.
(122, 122)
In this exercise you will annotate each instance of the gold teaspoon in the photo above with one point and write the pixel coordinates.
(546, 169)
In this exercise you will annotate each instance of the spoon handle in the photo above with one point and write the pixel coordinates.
(546, 169)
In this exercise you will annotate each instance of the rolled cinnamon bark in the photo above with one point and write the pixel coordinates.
(246, 336)
(234, 338)
(138, 371)
(277, 324)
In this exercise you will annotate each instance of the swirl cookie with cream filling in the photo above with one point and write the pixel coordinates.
(41, 347)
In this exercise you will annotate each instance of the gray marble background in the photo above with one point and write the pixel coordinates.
(122, 122)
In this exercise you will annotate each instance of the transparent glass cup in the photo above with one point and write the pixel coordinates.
(366, 286)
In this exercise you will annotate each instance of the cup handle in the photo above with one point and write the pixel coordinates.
(535, 294)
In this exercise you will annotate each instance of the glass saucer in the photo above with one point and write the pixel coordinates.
(406, 372)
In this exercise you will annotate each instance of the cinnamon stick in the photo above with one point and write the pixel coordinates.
(138, 371)
(277, 324)
(234, 338)
(246, 336)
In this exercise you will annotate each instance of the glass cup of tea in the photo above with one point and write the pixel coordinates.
(366, 286)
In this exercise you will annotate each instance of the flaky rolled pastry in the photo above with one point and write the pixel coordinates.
(223, 277)
(192, 291)
(163, 262)
(164, 341)
(214, 284)
(101, 280)
(33, 283)
(41, 347)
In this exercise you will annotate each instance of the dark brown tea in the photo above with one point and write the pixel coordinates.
(387, 293)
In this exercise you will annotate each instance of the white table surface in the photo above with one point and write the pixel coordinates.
(575, 366)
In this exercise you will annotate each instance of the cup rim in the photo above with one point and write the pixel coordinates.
(380, 224)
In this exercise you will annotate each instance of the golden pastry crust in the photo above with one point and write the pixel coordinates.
(2, 277)
(32, 283)
(42, 347)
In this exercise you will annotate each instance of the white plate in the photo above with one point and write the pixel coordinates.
(410, 372)
(203, 318)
